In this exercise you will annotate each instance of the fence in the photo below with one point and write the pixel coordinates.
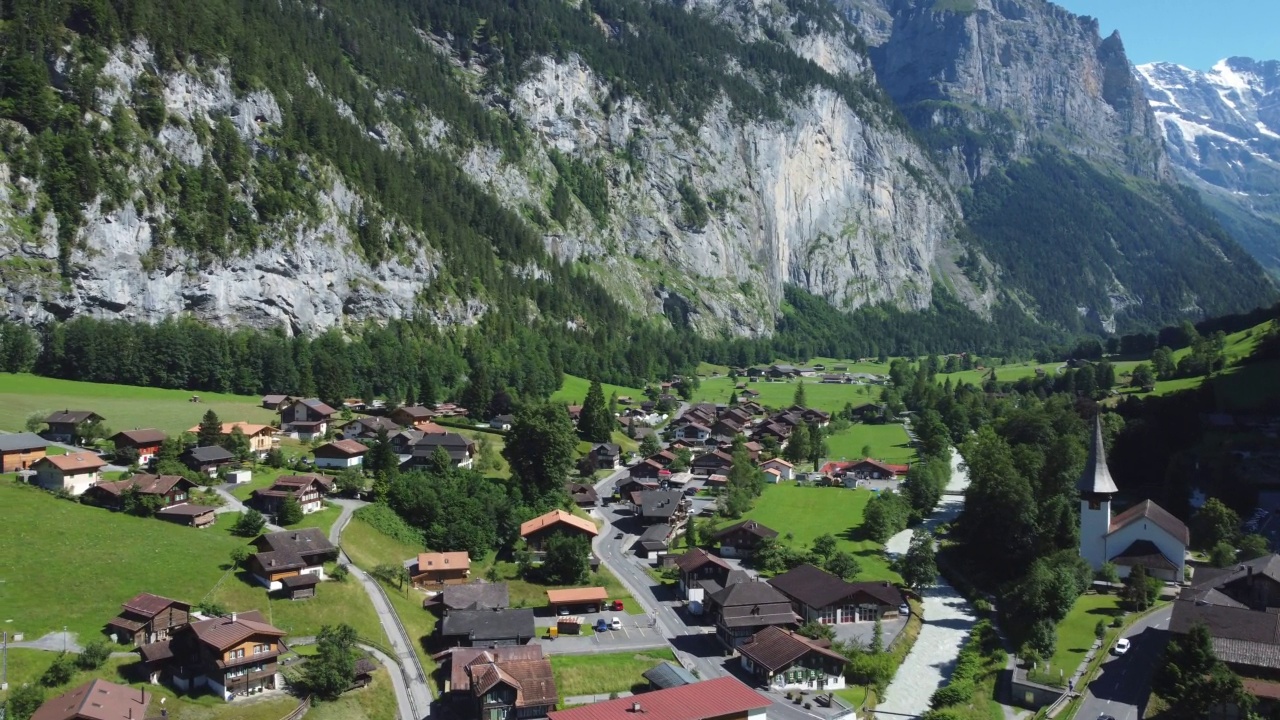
(413, 656)
(299, 711)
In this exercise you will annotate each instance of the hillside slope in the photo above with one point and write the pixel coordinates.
(307, 166)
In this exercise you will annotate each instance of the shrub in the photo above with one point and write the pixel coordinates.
(385, 520)
(958, 692)
(59, 672)
(24, 700)
(341, 573)
(93, 655)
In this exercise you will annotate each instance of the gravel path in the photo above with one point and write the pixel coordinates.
(948, 619)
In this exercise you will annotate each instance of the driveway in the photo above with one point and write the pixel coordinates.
(947, 621)
(1123, 684)
(231, 504)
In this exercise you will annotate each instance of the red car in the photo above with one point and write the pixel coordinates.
(617, 605)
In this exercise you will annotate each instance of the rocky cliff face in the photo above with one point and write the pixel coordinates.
(987, 80)
(1222, 131)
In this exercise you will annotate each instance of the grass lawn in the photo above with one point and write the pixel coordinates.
(829, 397)
(807, 512)
(1075, 636)
(123, 406)
(418, 622)
(574, 391)
(598, 674)
(335, 603)
(888, 443)
(323, 519)
(376, 701)
(71, 564)
(534, 595)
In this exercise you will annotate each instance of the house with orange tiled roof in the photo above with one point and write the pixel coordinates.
(229, 656)
(441, 568)
(261, 437)
(73, 472)
(536, 531)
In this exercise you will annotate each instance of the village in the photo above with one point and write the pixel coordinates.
(699, 603)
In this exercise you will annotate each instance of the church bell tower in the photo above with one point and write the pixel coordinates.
(1096, 488)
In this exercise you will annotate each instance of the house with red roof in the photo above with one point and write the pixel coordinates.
(724, 698)
(74, 472)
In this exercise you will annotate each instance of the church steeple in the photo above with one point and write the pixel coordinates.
(1096, 478)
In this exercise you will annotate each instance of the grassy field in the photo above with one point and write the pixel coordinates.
(1075, 636)
(574, 390)
(829, 397)
(377, 701)
(888, 443)
(70, 564)
(807, 512)
(598, 674)
(124, 407)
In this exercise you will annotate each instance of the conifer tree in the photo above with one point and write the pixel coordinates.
(595, 424)
(799, 398)
(210, 432)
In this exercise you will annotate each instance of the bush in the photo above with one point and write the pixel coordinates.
(250, 524)
(24, 701)
(59, 672)
(385, 520)
(93, 655)
(958, 692)
(340, 573)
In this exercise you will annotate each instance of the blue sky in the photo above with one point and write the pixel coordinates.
(1195, 33)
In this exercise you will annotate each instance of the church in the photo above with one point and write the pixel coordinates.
(1145, 534)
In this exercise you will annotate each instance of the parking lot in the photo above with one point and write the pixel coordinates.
(637, 631)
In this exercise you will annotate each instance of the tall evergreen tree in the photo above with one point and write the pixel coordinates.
(799, 397)
(595, 424)
(540, 450)
(427, 388)
(210, 431)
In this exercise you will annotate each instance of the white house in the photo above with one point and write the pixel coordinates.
(1145, 534)
(786, 470)
(340, 454)
(73, 472)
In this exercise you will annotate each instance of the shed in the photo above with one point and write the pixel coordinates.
(300, 587)
(589, 597)
(570, 625)
(668, 675)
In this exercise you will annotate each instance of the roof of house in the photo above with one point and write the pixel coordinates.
(555, 517)
(581, 491)
(96, 700)
(231, 630)
(1266, 566)
(145, 436)
(318, 407)
(461, 657)
(659, 503)
(186, 510)
(144, 483)
(1239, 635)
(749, 526)
(434, 561)
(697, 701)
(715, 458)
(490, 624)
(371, 424)
(74, 462)
(210, 454)
(1096, 478)
(73, 417)
(697, 558)
(1146, 554)
(249, 429)
(533, 680)
(301, 580)
(22, 441)
(655, 537)
(274, 399)
(577, 595)
(290, 548)
(666, 675)
(1148, 510)
(476, 596)
(606, 448)
(778, 461)
(775, 648)
(341, 448)
(149, 605)
(753, 603)
(417, 412)
(813, 586)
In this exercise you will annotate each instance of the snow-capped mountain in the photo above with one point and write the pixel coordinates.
(1222, 130)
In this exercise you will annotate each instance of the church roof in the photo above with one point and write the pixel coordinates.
(1147, 510)
(1096, 478)
(1146, 554)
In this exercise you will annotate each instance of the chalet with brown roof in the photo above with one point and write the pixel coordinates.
(631, 486)
(819, 596)
(74, 472)
(168, 490)
(261, 437)
(340, 454)
(742, 538)
(440, 568)
(785, 470)
(500, 682)
(96, 700)
(145, 442)
(605, 456)
(413, 416)
(716, 462)
(365, 429)
(582, 494)
(866, 469)
(290, 552)
(308, 490)
(724, 698)
(19, 451)
(306, 419)
(229, 656)
(477, 595)
(460, 449)
(744, 609)
(276, 403)
(207, 460)
(693, 432)
(781, 659)
(698, 565)
(148, 618)
(536, 531)
(64, 426)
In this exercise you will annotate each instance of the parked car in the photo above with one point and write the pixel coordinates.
(617, 605)
(564, 610)
(904, 609)
(618, 536)
(602, 625)
(1122, 646)
(691, 491)
(614, 624)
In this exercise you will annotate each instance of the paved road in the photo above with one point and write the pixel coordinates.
(415, 702)
(397, 682)
(948, 619)
(1123, 684)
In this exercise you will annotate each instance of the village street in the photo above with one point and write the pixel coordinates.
(948, 619)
